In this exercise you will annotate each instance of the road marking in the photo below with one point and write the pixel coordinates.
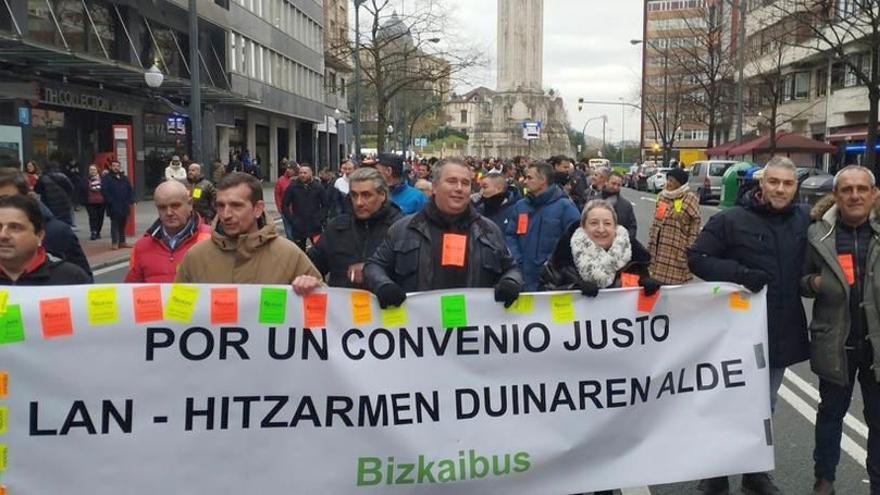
(847, 444)
(636, 491)
(124, 264)
(653, 200)
(811, 391)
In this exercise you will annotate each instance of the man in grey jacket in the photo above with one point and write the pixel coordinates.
(842, 257)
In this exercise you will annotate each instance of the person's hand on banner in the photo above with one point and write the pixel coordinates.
(304, 284)
(587, 288)
(651, 285)
(390, 295)
(507, 291)
(356, 274)
(754, 280)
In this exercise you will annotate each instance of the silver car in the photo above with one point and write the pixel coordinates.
(705, 178)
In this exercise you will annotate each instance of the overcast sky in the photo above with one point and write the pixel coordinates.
(587, 53)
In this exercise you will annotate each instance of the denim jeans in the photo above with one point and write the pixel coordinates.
(835, 401)
(288, 227)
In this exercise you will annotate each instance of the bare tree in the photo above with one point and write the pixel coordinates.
(666, 106)
(850, 31)
(705, 61)
(409, 54)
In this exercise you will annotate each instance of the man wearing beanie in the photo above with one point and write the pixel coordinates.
(409, 199)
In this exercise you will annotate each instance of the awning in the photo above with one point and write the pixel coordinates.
(32, 56)
(721, 150)
(785, 142)
(850, 133)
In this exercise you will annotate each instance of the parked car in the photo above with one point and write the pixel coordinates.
(814, 187)
(641, 178)
(705, 178)
(657, 182)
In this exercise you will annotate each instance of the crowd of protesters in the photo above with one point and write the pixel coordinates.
(395, 226)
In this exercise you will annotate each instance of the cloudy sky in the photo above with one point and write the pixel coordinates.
(587, 53)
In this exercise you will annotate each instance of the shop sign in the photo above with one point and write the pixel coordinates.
(86, 101)
(24, 115)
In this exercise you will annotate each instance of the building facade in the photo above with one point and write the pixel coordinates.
(73, 86)
(335, 144)
(463, 112)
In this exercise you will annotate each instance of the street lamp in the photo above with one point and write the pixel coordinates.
(390, 130)
(336, 116)
(357, 80)
(153, 76)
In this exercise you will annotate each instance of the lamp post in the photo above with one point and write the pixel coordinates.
(390, 130)
(357, 81)
(195, 99)
(604, 122)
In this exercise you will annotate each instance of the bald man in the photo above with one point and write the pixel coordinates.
(156, 255)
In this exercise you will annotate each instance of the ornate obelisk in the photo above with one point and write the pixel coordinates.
(520, 45)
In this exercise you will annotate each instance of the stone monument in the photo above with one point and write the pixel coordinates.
(520, 96)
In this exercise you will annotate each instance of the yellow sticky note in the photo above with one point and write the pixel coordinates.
(197, 193)
(740, 302)
(677, 204)
(102, 307)
(562, 308)
(181, 303)
(361, 311)
(4, 298)
(3, 460)
(523, 304)
(4, 420)
(394, 317)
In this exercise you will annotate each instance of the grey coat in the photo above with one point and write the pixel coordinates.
(830, 325)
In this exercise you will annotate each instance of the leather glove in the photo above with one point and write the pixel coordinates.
(754, 280)
(589, 289)
(390, 295)
(507, 291)
(651, 285)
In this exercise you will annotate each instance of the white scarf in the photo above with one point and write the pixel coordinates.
(677, 193)
(596, 264)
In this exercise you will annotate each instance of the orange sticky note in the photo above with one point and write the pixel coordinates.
(660, 214)
(740, 302)
(849, 267)
(55, 317)
(361, 310)
(2, 489)
(646, 302)
(224, 305)
(454, 248)
(4, 384)
(629, 280)
(522, 223)
(147, 303)
(315, 310)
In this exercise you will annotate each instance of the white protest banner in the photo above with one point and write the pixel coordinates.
(141, 389)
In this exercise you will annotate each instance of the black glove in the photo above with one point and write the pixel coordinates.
(506, 291)
(651, 285)
(754, 280)
(589, 289)
(390, 295)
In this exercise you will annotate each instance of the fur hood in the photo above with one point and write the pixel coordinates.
(821, 208)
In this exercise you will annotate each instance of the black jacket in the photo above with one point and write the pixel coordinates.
(118, 195)
(625, 214)
(560, 272)
(406, 258)
(751, 236)
(347, 241)
(55, 192)
(309, 205)
(61, 242)
(50, 271)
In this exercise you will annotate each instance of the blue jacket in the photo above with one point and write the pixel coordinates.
(118, 195)
(409, 199)
(549, 214)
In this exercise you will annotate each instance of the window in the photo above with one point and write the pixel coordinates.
(796, 86)
(233, 66)
(464, 116)
(821, 82)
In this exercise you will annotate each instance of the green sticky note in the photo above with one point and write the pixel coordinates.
(181, 303)
(273, 305)
(524, 304)
(394, 316)
(717, 289)
(562, 308)
(4, 420)
(11, 325)
(454, 311)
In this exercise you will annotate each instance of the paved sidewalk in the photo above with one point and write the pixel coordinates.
(99, 253)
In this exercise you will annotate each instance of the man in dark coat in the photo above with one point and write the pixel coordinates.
(624, 209)
(118, 198)
(446, 245)
(305, 205)
(23, 260)
(56, 192)
(761, 242)
(59, 239)
(351, 238)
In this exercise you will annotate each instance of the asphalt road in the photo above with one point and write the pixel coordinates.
(795, 416)
(793, 421)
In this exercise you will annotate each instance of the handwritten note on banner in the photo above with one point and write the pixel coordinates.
(144, 379)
